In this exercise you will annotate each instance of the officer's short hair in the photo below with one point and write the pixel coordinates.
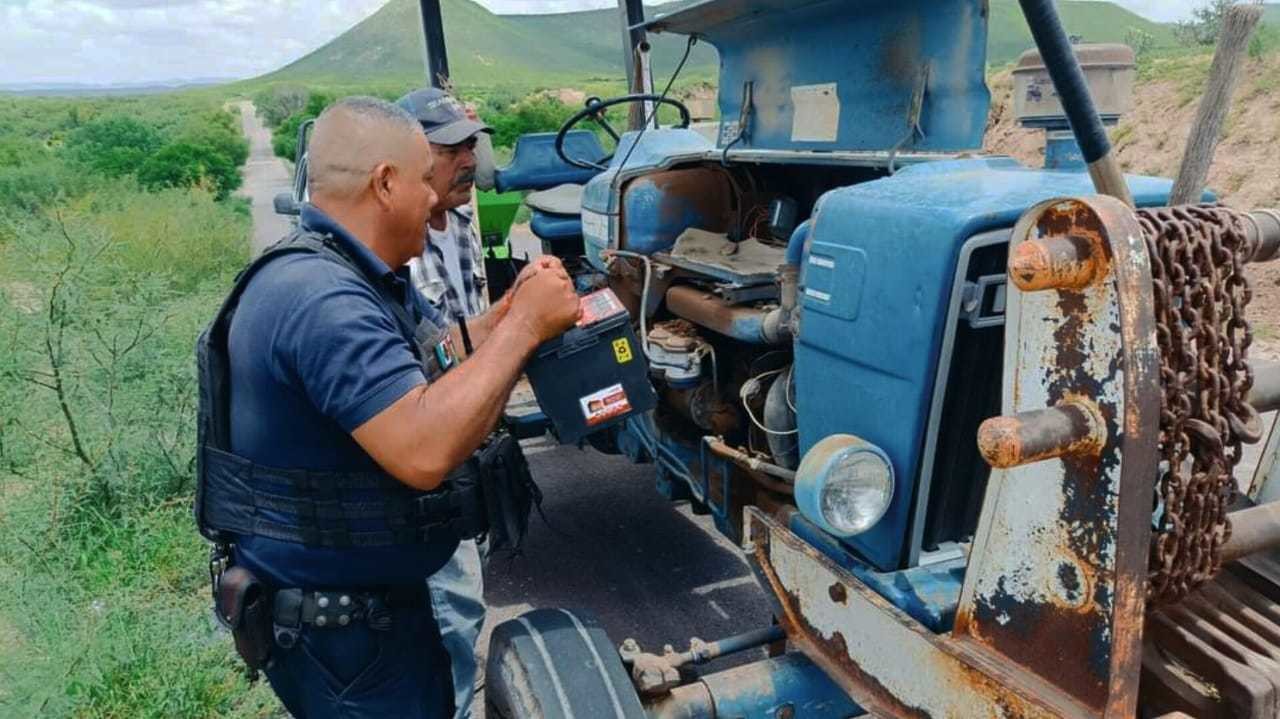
(365, 128)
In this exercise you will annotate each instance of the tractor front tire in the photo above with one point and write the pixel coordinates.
(553, 664)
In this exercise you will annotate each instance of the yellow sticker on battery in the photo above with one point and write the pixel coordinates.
(622, 350)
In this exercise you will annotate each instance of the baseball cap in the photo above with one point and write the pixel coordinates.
(443, 118)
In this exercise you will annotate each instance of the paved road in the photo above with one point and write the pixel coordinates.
(647, 568)
(265, 175)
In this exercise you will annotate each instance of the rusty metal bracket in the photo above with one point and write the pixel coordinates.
(891, 665)
(1051, 614)
(1056, 580)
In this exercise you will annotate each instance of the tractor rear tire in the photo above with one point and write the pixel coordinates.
(552, 664)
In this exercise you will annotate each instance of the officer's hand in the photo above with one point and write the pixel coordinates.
(545, 262)
(546, 303)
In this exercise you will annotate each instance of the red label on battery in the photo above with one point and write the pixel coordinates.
(600, 305)
(604, 405)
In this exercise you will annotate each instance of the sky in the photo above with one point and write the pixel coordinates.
(139, 41)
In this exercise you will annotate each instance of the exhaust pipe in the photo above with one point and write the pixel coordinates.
(1060, 60)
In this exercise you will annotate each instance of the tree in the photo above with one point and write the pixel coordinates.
(284, 138)
(1205, 23)
(535, 114)
(187, 164)
(1141, 41)
(278, 102)
(115, 145)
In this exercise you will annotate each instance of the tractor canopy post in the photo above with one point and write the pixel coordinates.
(433, 36)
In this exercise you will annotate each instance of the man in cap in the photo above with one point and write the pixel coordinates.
(450, 271)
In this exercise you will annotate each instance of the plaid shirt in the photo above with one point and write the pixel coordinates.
(432, 279)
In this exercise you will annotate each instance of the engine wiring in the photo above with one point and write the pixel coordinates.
(751, 386)
(644, 297)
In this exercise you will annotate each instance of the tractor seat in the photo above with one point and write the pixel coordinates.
(536, 166)
(553, 228)
(563, 199)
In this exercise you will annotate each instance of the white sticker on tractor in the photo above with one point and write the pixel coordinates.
(602, 406)
(817, 113)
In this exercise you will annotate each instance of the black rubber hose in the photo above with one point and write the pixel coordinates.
(1059, 58)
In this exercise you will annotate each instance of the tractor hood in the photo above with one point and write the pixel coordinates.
(849, 75)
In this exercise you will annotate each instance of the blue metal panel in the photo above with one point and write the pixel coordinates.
(600, 197)
(877, 53)
(871, 372)
(929, 594)
(654, 150)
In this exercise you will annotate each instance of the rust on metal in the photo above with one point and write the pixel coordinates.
(1073, 428)
(713, 312)
(1216, 654)
(1068, 262)
(891, 665)
(1200, 293)
(1058, 564)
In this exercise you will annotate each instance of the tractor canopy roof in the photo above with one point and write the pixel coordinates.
(849, 75)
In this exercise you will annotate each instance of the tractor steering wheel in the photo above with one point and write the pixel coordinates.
(595, 110)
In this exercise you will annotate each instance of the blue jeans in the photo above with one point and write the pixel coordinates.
(355, 672)
(457, 598)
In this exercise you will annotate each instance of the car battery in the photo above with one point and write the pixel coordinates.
(595, 375)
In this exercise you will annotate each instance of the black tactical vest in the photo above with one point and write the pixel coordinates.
(232, 493)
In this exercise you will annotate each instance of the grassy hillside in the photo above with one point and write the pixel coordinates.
(485, 49)
(488, 50)
(1093, 21)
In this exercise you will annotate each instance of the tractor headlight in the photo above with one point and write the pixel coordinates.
(844, 485)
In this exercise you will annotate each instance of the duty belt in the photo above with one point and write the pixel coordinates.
(295, 608)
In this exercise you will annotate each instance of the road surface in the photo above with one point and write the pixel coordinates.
(265, 175)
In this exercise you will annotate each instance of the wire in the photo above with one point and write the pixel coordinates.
(747, 388)
(791, 378)
(693, 39)
(644, 297)
(715, 371)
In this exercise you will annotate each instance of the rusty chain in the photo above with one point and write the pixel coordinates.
(1200, 294)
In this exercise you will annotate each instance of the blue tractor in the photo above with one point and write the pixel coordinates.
(973, 422)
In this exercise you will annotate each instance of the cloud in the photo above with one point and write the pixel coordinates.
(136, 41)
(133, 41)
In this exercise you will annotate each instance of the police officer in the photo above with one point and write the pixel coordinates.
(349, 426)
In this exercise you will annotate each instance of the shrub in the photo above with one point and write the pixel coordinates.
(115, 145)
(278, 102)
(535, 114)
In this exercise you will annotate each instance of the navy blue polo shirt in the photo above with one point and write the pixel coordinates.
(315, 353)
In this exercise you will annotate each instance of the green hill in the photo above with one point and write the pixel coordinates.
(488, 50)
(1271, 15)
(1092, 21)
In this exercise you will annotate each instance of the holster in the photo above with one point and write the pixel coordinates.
(509, 492)
(243, 605)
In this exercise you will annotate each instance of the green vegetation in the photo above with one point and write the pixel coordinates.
(117, 237)
(485, 50)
